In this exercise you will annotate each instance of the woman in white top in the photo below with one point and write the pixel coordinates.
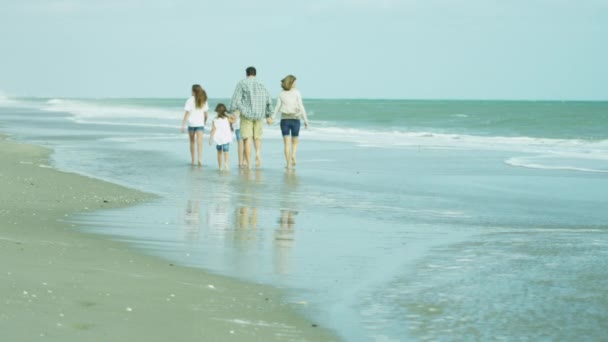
(196, 117)
(221, 135)
(289, 103)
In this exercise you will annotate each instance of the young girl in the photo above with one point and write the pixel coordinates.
(196, 117)
(221, 134)
(289, 103)
(235, 120)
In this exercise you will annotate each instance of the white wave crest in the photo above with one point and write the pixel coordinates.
(88, 110)
(564, 163)
(557, 154)
(131, 124)
(7, 101)
(550, 154)
(54, 101)
(416, 139)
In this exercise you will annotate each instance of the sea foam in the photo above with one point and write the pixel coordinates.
(564, 163)
(84, 109)
(529, 152)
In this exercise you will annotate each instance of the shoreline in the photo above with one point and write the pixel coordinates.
(60, 283)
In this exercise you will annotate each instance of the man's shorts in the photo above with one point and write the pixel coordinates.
(251, 129)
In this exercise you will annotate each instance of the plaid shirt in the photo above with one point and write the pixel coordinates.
(252, 99)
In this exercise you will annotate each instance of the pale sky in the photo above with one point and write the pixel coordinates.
(412, 49)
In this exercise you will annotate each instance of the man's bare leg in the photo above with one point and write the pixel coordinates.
(247, 143)
(240, 149)
(258, 152)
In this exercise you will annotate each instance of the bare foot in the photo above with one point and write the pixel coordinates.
(293, 161)
(226, 169)
(200, 163)
(258, 162)
(288, 167)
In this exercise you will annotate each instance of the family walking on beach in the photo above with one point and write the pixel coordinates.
(251, 104)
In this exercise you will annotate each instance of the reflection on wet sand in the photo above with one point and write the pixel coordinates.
(284, 235)
(192, 213)
(251, 175)
(218, 211)
(246, 212)
(287, 220)
(246, 224)
(192, 220)
(246, 218)
(236, 215)
(284, 241)
(246, 244)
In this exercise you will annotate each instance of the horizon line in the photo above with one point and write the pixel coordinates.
(322, 98)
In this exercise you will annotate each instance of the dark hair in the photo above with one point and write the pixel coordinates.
(220, 109)
(251, 71)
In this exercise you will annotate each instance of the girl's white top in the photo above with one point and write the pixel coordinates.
(223, 134)
(197, 115)
(289, 102)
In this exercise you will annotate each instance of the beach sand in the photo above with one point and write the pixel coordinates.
(61, 284)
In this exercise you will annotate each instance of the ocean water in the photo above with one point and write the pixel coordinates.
(405, 220)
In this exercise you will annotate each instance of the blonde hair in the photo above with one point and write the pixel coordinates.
(200, 96)
(287, 82)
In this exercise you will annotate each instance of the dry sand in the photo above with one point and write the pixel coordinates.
(59, 284)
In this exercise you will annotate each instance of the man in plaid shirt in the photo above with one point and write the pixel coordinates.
(254, 103)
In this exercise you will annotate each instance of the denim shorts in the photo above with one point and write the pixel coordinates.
(196, 129)
(224, 148)
(237, 132)
(290, 125)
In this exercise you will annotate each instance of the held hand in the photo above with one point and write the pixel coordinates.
(306, 125)
(210, 142)
(269, 121)
(183, 129)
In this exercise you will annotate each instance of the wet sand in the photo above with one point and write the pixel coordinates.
(61, 284)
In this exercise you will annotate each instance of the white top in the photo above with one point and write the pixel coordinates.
(237, 124)
(222, 134)
(290, 102)
(197, 115)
